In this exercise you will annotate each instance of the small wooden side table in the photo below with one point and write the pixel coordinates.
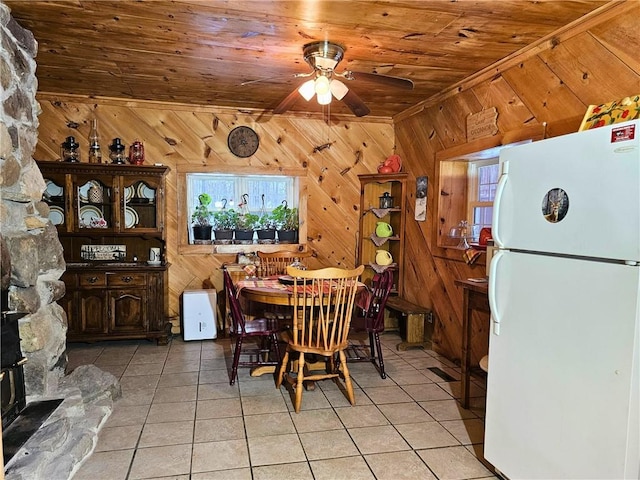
(476, 297)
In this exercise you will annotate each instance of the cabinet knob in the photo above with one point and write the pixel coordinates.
(93, 279)
(127, 278)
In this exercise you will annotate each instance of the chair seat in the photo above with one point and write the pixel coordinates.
(364, 324)
(259, 326)
(317, 350)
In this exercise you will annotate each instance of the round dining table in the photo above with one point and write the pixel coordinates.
(270, 291)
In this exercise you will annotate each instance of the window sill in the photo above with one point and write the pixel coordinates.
(212, 249)
(456, 254)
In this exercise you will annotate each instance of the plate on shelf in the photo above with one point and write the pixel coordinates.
(89, 213)
(56, 215)
(83, 191)
(130, 217)
(53, 190)
(146, 192)
(128, 193)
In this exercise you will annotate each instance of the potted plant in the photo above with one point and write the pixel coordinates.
(266, 228)
(224, 222)
(266, 225)
(201, 218)
(287, 223)
(245, 226)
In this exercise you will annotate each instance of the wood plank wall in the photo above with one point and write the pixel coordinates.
(186, 135)
(591, 63)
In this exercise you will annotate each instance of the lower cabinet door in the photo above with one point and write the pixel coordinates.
(91, 312)
(127, 311)
(69, 303)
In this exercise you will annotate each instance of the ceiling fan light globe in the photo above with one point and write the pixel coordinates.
(325, 98)
(322, 86)
(338, 89)
(307, 90)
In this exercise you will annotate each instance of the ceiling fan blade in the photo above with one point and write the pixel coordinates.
(271, 79)
(355, 104)
(397, 82)
(287, 103)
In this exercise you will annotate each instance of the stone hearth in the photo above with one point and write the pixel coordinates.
(36, 257)
(69, 435)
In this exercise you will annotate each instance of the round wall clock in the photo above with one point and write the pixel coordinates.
(243, 141)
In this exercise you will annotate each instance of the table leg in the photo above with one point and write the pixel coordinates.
(465, 368)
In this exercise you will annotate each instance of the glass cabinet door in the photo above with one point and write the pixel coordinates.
(94, 203)
(54, 196)
(140, 205)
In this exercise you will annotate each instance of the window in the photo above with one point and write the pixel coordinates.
(227, 190)
(467, 176)
(483, 179)
(230, 183)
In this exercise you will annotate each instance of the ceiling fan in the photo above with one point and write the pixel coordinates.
(324, 84)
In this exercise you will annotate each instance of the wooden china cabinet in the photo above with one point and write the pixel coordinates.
(372, 187)
(109, 217)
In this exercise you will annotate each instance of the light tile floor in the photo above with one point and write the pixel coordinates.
(179, 418)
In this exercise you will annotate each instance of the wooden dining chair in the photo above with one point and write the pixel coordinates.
(263, 330)
(323, 304)
(276, 263)
(370, 319)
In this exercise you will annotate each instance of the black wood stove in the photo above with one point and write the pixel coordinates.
(13, 397)
(12, 393)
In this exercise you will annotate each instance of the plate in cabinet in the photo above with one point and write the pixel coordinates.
(56, 215)
(89, 214)
(146, 192)
(128, 193)
(53, 190)
(130, 217)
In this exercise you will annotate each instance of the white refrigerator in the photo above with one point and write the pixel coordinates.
(564, 349)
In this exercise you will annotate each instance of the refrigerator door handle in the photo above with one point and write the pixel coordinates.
(496, 204)
(493, 304)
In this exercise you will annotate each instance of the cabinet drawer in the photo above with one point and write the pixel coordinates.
(126, 279)
(91, 279)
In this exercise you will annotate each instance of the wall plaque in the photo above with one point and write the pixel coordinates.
(482, 124)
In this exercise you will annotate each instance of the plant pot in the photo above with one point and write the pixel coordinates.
(243, 236)
(202, 234)
(266, 236)
(287, 236)
(223, 237)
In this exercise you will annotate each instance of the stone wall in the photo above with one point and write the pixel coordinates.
(35, 251)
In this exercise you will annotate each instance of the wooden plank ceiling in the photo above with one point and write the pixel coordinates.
(200, 52)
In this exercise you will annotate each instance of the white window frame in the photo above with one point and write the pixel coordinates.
(240, 184)
(184, 210)
(474, 193)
